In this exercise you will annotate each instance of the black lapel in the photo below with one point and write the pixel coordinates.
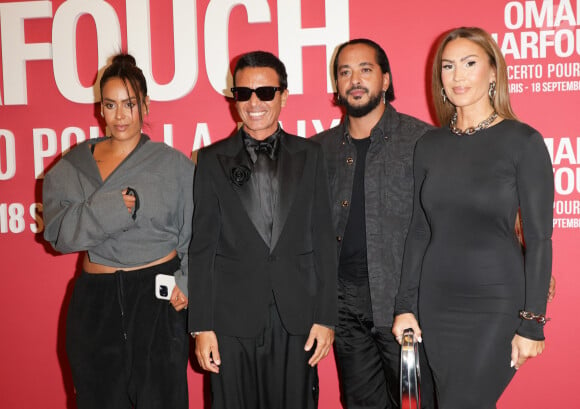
(290, 168)
(244, 187)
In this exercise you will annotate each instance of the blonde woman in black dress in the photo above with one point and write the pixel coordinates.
(480, 303)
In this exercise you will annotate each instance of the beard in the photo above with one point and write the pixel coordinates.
(358, 111)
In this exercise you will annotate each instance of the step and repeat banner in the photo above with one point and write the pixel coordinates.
(51, 56)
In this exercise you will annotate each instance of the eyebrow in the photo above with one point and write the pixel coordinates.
(123, 100)
(463, 58)
(362, 64)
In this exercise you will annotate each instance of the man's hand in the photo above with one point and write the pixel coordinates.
(524, 348)
(207, 352)
(404, 321)
(324, 338)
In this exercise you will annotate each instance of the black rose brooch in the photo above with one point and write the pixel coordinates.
(240, 175)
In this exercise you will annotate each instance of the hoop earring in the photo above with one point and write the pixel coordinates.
(443, 95)
(491, 92)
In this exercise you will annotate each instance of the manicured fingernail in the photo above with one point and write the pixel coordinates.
(419, 339)
(512, 364)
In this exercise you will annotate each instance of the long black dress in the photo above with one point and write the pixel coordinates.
(464, 262)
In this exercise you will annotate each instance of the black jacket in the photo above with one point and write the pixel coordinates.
(388, 198)
(233, 270)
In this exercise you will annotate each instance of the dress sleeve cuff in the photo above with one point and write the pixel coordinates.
(532, 330)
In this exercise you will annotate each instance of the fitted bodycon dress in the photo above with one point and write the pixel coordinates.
(464, 268)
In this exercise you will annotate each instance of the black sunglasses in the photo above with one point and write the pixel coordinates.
(264, 93)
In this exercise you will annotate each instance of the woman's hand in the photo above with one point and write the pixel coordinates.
(178, 299)
(404, 321)
(552, 289)
(129, 201)
(524, 348)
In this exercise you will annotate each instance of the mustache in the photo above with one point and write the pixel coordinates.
(357, 88)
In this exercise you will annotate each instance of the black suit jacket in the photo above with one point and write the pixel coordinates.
(233, 270)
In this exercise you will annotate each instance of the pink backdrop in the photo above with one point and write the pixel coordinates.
(52, 50)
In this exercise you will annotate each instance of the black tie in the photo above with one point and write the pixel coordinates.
(263, 155)
(267, 146)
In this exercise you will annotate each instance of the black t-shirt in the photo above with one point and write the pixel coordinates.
(353, 254)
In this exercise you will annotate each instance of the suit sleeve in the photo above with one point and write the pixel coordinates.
(325, 250)
(205, 234)
(75, 222)
(535, 183)
(415, 245)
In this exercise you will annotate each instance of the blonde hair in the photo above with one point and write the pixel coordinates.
(501, 101)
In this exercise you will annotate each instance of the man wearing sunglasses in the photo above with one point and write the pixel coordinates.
(370, 168)
(263, 259)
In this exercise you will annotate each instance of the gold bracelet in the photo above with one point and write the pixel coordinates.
(530, 316)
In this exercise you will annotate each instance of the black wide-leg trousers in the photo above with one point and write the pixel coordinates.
(368, 357)
(269, 371)
(126, 348)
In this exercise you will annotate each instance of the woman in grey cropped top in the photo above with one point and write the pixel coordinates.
(126, 203)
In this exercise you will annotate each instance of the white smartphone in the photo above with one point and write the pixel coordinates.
(164, 286)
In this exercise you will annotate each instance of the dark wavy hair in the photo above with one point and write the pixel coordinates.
(266, 59)
(125, 67)
(382, 60)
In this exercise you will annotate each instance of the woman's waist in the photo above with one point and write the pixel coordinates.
(100, 268)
